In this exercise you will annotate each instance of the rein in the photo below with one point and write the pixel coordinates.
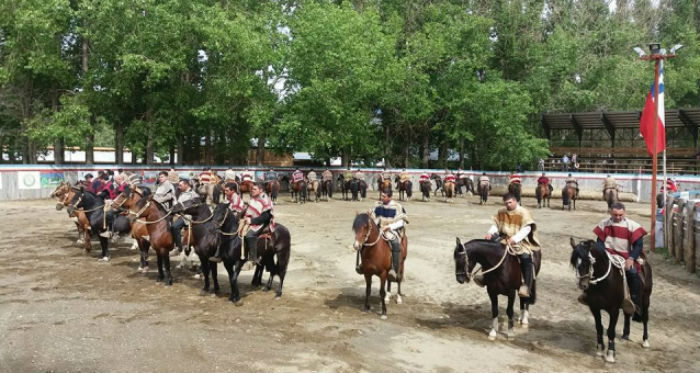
(143, 209)
(616, 260)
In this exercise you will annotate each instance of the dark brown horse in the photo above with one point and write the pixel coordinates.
(376, 259)
(438, 183)
(484, 192)
(157, 221)
(64, 193)
(404, 187)
(501, 275)
(124, 201)
(514, 189)
(465, 181)
(543, 194)
(299, 191)
(383, 184)
(604, 290)
(327, 189)
(350, 188)
(425, 187)
(272, 187)
(569, 195)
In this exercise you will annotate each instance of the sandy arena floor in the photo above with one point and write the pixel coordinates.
(62, 310)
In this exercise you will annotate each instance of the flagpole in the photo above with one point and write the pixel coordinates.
(654, 158)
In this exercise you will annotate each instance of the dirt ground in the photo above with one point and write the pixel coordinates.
(62, 310)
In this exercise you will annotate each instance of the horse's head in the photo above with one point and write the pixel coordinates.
(141, 205)
(63, 194)
(127, 198)
(362, 226)
(461, 259)
(75, 198)
(582, 261)
(222, 214)
(187, 207)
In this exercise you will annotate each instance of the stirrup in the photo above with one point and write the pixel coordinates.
(628, 306)
(524, 291)
(358, 269)
(215, 259)
(582, 299)
(479, 280)
(391, 275)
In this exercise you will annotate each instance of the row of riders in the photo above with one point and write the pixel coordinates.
(509, 258)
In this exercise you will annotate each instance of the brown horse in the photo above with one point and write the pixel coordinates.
(124, 201)
(501, 275)
(64, 193)
(299, 191)
(272, 187)
(569, 195)
(610, 195)
(157, 221)
(327, 189)
(383, 184)
(483, 191)
(543, 194)
(245, 187)
(404, 187)
(604, 290)
(376, 258)
(449, 188)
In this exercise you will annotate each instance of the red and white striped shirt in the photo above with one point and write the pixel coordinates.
(619, 237)
(258, 205)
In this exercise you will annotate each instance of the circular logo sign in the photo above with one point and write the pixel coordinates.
(29, 180)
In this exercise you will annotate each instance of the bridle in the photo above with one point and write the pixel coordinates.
(139, 213)
(591, 261)
(473, 273)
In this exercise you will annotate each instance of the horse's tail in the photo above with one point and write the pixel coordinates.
(565, 196)
(409, 188)
(539, 193)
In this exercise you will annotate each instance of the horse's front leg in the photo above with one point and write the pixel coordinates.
(166, 269)
(626, 328)
(214, 277)
(524, 313)
(382, 295)
(205, 272)
(159, 255)
(610, 356)
(235, 293)
(368, 290)
(104, 245)
(493, 296)
(509, 311)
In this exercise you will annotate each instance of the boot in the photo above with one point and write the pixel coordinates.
(393, 274)
(216, 258)
(634, 285)
(526, 269)
(177, 239)
(252, 244)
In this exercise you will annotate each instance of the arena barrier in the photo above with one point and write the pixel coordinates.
(19, 181)
(682, 219)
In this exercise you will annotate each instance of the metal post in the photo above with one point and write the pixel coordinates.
(654, 159)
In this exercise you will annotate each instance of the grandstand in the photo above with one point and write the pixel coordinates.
(610, 141)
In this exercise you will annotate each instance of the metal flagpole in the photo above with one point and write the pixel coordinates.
(654, 158)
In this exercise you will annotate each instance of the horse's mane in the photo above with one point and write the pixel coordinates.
(361, 220)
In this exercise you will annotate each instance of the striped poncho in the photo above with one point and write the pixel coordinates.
(619, 237)
(510, 222)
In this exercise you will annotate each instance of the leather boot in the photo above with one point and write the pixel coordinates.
(252, 244)
(393, 274)
(526, 269)
(177, 238)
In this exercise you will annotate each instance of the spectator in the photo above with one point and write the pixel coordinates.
(540, 165)
(565, 162)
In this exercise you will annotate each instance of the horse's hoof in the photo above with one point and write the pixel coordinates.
(510, 334)
(600, 351)
(103, 259)
(625, 338)
(80, 241)
(383, 317)
(144, 270)
(610, 356)
(399, 300)
(646, 344)
(492, 335)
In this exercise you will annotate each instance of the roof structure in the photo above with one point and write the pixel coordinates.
(610, 121)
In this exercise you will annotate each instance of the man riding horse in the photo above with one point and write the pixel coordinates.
(258, 216)
(391, 218)
(235, 206)
(572, 182)
(621, 236)
(165, 193)
(609, 183)
(186, 194)
(545, 180)
(515, 224)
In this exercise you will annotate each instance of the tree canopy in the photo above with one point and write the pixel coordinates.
(365, 80)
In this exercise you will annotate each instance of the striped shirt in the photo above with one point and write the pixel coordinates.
(619, 237)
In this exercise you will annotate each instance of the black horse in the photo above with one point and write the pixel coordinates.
(467, 183)
(604, 290)
(404, 187)
(327, 189)
(203, 236)
(350, 188)
(514, 189)
(438, 183)
(277, 246)
(501, 275)
(425, 189)
(93, 207)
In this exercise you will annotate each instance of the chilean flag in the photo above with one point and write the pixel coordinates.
(646, 123)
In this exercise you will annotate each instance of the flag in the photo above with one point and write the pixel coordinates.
(646, 123)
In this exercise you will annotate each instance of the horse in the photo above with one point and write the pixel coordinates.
(543, 194)
(298, 191)
(94, 209)
(514, 189)
(465, 181)
(245, 186)
(206, 190)
(502, 276)
(203, 235)
(438, 184)
(449, 188)
(157, 221)
(425, 189)
(404, 187)
(383, 185)
(484, 192)
(610, 195)
(569, 195)
(314, 188)
(350, 188)
(604, 290)
(272, 187)
(376, 259)
(362, 186)
(327, 189)
(270, 246)
(64, 193)
(139, 232)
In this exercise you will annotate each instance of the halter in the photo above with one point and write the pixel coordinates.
(591, 259)
(143, 209)
(205, 220)
(508, 249)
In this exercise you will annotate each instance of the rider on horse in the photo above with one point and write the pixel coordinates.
(621, 236)
(404, 176)
(545, 180)
(572, 182)
(514, 178)
(297, 176)
(358, 175)
(424, 178)
(449, 176)
(186, 194)
(391, 218)
(229, 175)
(235, 206)
(246, 175)
(516, 225)
(258, 216)
(270, 175)
(327, 175)
(165, 193)
(609, 183)
(311, 176)
(484, 181)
